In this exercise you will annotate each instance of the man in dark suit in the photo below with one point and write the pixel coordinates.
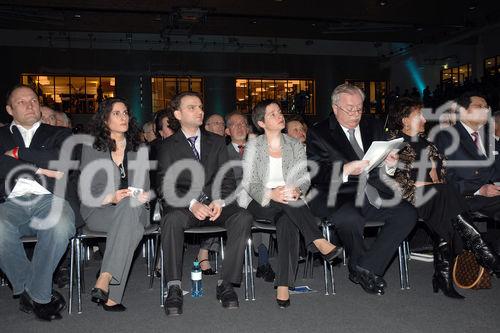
(29, 205)
(471, 167)
(194, 202)
(496, 152)
(337, 144)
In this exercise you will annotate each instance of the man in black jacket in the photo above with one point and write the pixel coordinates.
(338, 144)
(192, 200)
(29, 206)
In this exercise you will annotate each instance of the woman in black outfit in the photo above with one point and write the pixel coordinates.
(445, 212)
(275, 176)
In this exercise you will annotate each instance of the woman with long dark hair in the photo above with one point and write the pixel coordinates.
(445, 213)
(276, 178)
(115, 168)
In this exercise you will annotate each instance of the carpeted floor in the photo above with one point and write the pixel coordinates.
(350, 310)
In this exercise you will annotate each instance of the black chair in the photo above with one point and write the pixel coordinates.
(150, 233)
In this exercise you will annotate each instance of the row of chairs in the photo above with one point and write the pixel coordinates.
(153, 252)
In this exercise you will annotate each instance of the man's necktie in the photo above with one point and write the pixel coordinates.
(477, 142)
(241, 150)
(354, 143)
(370, 191)
(192, 141)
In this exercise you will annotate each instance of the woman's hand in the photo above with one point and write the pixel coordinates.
(292, 193)
(279, 194)
(120, 195)
(143, 197)
(50, 173)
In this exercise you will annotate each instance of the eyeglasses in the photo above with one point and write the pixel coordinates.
(216, 123)
(480, 106)
(351, 111)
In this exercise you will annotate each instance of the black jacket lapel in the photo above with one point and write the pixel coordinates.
(337, 135)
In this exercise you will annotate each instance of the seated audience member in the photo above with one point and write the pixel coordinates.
(48, 116)
(148, 131)
(122, 213)
(62, 119)
(275, 177)
(446, 205)
(237, 131)
(215, 124)
(337, 145)
(496, 152)
(474, 181)
(29, 206)
(197, 147)
(296, 129)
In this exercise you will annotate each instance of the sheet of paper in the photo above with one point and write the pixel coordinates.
(379, 150)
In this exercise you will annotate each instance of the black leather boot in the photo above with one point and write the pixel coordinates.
(474, 242)
(442, 279)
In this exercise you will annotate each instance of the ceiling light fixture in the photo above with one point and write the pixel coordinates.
(472, 5)
(382, 3)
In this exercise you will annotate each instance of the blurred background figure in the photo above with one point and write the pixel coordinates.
(48, 116)
(215, 124)
(296, 129)
(62, 119)
(148, 131)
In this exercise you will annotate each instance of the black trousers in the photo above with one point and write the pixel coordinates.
(349, 222)
(236, 220)
(489, 206)
(289, 221)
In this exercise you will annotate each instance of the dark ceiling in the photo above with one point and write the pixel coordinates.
(414, 21)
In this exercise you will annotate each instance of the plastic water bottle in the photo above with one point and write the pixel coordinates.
(196, 283)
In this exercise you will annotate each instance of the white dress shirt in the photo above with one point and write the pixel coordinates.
(24, 185)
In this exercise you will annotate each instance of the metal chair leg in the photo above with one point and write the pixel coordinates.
(162, 284)
(216, 259)
(78, 274)
(250, 264)
(154, 261)
(222, 248)
(402, 281)
(245, 267)
(71, 267)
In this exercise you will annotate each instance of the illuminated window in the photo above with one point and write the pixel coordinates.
(71, 94)
(375, 93)
(165, 88)
(295, 96)
(492, 66)
(456, 75)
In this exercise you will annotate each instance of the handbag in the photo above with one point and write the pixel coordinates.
(468, 274)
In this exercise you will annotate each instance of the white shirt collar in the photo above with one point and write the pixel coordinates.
(235, 145)
(21, 128)
(468, 129)
(356, 129)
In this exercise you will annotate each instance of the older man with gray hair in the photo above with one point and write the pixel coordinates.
(337, 145)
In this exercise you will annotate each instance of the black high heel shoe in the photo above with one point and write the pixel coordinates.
(473, 241)
(114, 308)
(330, 256)
(283, 303)
(443, 259)
(99, 296)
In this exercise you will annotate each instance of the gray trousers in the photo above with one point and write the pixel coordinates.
(124, 224)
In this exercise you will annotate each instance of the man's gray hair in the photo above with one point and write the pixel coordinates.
(346, 88)
(234, 113)
(147, 126)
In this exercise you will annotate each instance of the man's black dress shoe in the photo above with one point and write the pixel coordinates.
(47, 312)
(370, 282)
(99, 296)
(114, 308)
(227, 296)
(61, 277)
(266, 272)
(330, 256)
(173, 302)
(283, 303)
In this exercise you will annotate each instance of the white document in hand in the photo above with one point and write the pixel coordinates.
(379, 150)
